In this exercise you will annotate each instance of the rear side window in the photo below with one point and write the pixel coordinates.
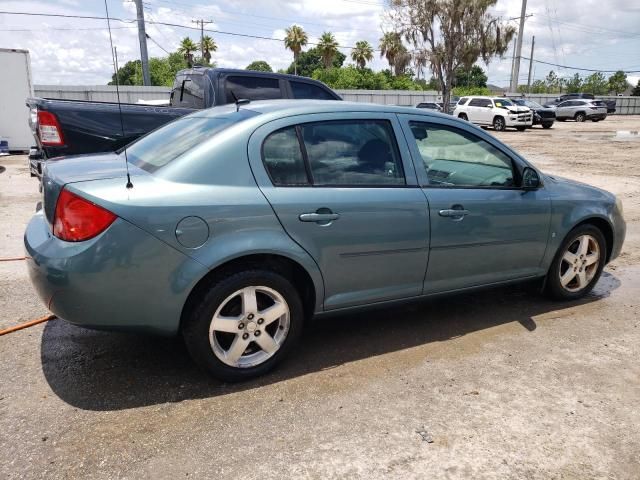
(252, 88)
(302, 90)
(282, 157)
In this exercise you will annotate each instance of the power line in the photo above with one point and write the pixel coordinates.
(583, 69)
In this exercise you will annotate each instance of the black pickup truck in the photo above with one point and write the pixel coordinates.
(73, 127)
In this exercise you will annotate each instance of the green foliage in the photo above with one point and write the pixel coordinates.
(539, 86)
(465, 91)
(327, 48)
(259, 66)
(574, 84)
(473, 77)
(161, 70)
(207, 45)
(595, 84)
(186, 49)
(362, 53)
(295, 39)
(552, 82)
(351, 77)
(636, 90)
(618, 82)
(311, 60)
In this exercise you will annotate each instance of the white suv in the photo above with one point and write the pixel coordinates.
(497, 112)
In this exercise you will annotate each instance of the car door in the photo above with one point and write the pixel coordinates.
(346, 191)
(485, 111)
(566, 109)
(484, 227)
(473, 110)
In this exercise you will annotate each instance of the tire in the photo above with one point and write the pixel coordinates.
(595, 120)
(547, 125)
(521, 129)
(210, 343)
(499, 124)
(463, 116)
(562, 284)
(580, 117)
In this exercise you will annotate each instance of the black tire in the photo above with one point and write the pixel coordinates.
(547, 125)
(463, 116)
(521, 129)
(580, 117)
(554, 287)
(595, 120)
(499, 124)
(195, 328)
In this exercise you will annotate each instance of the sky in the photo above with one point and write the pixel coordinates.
(600, 34)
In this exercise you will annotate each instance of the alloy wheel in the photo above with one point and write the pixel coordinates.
(249, 326)
(498, 124)
(580, 117)
(579, 263)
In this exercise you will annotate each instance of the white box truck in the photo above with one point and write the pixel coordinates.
(15, 71)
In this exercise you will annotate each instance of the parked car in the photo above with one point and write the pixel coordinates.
(431, 106)
(242, 225)
(543, 116)
(71, 127)
(580, 111)
(611, 104)
(501, 113)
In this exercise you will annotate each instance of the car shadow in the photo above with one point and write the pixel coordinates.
(105, 371)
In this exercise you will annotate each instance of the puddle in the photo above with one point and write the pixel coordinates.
(627, 135)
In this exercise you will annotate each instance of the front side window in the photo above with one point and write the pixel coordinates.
(455, 158)
(352, 153)
(252, 88)
(302, 90)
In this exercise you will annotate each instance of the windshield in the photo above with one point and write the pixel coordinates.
(502, 102)
(529, 103)
(158, 148)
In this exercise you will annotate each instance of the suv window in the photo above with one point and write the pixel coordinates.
(456, 158)
(462, 101)
(282, 157)
(479, 102)
(252, 88)
(309, 91)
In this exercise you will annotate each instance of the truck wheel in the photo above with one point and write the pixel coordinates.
(244, 324)
(580, 117)
(499, 124)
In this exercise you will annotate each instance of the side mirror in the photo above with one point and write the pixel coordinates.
(530, 179)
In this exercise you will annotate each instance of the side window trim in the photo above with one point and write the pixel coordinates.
(423, 181)
(305, 155)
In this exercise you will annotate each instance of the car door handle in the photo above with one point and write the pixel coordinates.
(452, 212)
(319, 217)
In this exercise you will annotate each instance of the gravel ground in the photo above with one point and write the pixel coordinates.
(499, 384)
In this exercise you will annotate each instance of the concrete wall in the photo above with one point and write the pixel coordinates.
(107, 93)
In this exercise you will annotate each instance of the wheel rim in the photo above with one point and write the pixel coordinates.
(579, 263)
(580, 118)
(249, 326)
(499, 124)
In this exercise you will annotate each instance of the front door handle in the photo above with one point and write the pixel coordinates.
(456, 213)
(319, 217)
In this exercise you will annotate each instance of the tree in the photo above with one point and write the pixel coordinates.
(552, 82)
(186, 49)
(392, 48)
(636, 90)
(574, 84)
(295, 39)
(161, 70)
(311, 60)
(328, 48)
(362, 53)
(207, 46)
(451, 33)
(539, 86)
(595, 84)
(473, 77)
(618, 82)
(259, 66)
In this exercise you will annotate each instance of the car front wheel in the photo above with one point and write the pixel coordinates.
(578, 264)
(244, 324)
(499, 124)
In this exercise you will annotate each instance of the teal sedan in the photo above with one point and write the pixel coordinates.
(240, 223)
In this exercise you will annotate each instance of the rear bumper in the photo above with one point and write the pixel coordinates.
(123, 279)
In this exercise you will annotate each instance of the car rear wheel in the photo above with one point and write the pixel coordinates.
(244, 325)
(463, 116)
(580, 117)
(499, 124)
(578, 264)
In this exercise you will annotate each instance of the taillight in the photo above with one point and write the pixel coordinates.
(49, 129)
(77, 219)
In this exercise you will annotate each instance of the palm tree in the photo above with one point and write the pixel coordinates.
(295, 39)
(328, 48)
(186, 48)
(395, 52)
(208, 45)
(362, 53)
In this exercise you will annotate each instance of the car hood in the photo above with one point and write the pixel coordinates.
(575, 190)
(518, 109)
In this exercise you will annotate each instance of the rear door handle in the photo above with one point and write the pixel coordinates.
(452, 212)
(319, 217)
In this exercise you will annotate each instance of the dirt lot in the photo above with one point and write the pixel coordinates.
(504, 384)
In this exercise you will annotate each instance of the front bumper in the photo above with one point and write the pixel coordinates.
(519, 120)
(596, 116)
(123, 279)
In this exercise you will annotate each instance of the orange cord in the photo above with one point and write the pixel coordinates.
(27, 324)
(12, 259)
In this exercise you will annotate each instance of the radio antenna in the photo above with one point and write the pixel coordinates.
(114, 58)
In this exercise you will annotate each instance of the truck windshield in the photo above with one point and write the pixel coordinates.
(169, 142)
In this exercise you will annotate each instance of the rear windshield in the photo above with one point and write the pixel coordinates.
(167, 143)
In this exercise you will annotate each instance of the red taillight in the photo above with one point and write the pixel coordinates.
(77, 219)
(49, 129)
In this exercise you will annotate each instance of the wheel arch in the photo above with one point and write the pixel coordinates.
(604, 226)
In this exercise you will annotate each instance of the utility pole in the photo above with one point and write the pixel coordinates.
(513, 62)
(201, 22)
(516, 64)
(533, 43)
(142, 37)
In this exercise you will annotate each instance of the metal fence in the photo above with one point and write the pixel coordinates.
(107, 93)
